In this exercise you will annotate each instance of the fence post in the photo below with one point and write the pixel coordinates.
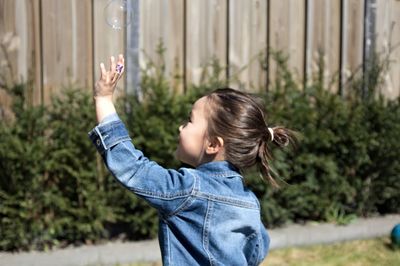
(369, 40)
(132, 50)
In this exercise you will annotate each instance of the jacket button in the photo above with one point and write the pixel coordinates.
(98, 142)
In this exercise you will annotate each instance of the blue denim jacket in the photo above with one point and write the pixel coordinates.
(207, 215)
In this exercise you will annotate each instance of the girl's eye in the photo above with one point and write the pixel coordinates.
(188, 120)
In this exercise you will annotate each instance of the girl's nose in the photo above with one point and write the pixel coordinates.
(180, 128)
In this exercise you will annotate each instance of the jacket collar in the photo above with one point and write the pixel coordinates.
(219, 168)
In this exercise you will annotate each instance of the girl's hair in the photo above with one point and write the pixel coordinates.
(239, 120)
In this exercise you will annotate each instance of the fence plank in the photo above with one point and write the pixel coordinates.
(57, 48)
(323, 36)
(20, 20)
(67, 39)
(8, 40)
(287, 35)
(388, 43)
(352, 40)
(247, 43)
(106, 42)
(83, 67)
(163, 21)
(75, 38)
(206, 36)
(7, 29)
(28, 62)
(35, 43)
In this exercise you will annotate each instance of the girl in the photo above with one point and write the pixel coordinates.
(207, 215)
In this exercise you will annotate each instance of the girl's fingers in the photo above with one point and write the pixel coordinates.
(115, 77)
(112, 65)
(119, 58)
(115, 71)
(120, 64)
(102, 70)
(119, 69)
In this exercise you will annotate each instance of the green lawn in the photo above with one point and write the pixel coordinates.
(355, 253)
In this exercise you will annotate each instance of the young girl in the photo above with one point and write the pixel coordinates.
(207, 215)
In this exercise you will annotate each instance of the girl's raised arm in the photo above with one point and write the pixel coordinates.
(104, 88)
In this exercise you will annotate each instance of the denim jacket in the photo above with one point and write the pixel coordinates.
(207, 215)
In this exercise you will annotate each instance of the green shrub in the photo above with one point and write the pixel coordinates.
(22, 153)
(348, 157)
(54, 189)
(49, 187)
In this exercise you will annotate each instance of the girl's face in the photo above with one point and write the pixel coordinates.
(192, 135)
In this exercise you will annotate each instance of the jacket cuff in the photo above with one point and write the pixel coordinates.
(105, 136)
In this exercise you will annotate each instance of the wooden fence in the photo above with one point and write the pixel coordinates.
(58, 42)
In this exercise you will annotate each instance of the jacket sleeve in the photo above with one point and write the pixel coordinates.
(165, 189)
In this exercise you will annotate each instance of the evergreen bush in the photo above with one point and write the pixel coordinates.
(54, 189)
(348, 158)
(49, 187)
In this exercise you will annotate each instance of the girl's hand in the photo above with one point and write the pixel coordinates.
(105, 86)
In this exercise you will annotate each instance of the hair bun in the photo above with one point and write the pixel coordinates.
(271, 132)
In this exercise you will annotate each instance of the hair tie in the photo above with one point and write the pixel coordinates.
(271, 131)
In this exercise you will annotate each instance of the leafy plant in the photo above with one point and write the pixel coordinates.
(336, 214)
(54, 189)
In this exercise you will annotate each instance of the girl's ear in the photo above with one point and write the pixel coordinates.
(214, 145)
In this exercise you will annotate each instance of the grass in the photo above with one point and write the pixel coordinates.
(354, 253)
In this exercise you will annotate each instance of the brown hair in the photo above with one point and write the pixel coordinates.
(239, 119)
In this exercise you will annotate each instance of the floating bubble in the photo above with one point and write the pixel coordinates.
(118, 14)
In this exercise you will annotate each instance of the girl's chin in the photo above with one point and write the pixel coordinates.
(179, 157)
(182, 160)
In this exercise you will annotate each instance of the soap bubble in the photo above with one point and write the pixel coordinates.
(118, 14)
